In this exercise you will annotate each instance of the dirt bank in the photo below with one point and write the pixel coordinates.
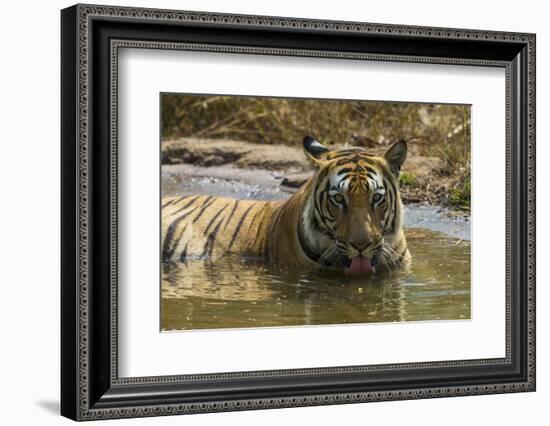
(246, 155)
(423, 179)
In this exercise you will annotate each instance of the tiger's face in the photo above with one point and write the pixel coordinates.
(354, 211)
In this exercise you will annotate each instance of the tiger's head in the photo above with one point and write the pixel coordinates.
(352, 216)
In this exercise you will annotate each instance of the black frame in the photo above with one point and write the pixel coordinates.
(90, 386)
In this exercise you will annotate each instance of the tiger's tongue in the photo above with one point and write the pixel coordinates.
(359, 265)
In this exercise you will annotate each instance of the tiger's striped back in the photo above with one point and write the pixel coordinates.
(207, 227)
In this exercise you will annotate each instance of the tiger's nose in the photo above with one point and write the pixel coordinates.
(361, 244)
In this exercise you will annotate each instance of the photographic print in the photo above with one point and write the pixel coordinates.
(298, 212)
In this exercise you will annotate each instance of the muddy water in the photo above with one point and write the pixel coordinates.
(232, 293)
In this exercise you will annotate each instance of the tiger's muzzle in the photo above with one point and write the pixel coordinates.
(361, 256)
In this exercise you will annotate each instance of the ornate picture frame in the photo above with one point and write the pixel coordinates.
(91, 37)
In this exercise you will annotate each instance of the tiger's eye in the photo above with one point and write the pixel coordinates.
(339, 198)
(376, 198)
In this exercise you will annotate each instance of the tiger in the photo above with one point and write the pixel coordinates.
(346, 217)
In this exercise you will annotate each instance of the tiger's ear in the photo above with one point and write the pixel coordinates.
(396, 155)
(316, 152)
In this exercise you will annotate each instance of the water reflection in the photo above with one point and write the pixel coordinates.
(233, 293)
